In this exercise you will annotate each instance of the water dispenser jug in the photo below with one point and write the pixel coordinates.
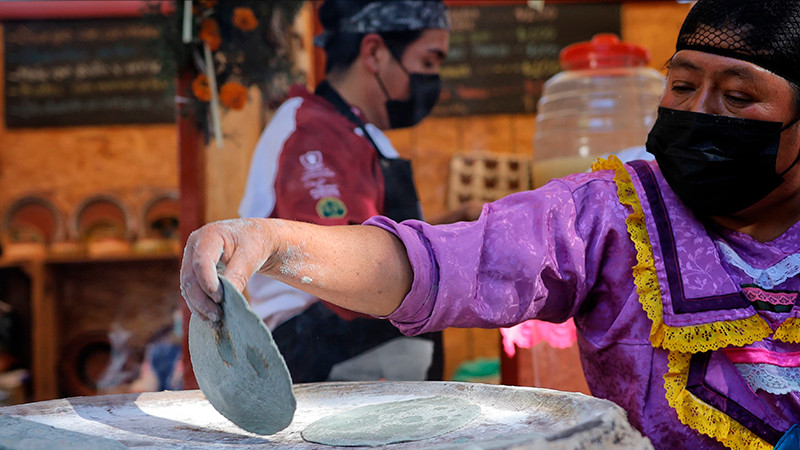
(605, 100)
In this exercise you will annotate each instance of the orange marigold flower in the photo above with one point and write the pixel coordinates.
(233, 95)
(244, 19)
(209, 32)
(201, 89)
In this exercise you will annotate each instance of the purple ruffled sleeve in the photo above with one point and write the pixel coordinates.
(525, 257)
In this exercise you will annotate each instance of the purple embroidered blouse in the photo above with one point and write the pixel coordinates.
(564, 251)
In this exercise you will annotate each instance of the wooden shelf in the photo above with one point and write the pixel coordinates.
(83, 258)
(110, 258)
(43, 273)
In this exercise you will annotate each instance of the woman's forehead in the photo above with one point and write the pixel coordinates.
(721, 66)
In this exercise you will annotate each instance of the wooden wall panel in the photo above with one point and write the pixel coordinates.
(654, 25)
(433, 144)
(487, 133)
(71, 163)
(68, 165)
(227, 167)
(523, 127)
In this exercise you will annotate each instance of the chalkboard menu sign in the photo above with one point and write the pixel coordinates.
(501, 55)
(86, 72)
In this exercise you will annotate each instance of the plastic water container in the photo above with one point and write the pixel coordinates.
(604, 101)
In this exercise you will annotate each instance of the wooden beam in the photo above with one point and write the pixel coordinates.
(73, 9)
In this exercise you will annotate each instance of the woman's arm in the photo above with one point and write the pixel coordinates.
(361, 268)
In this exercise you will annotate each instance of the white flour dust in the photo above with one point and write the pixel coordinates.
(294, 262)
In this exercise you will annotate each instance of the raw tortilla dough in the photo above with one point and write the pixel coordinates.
(17, 433)
(387, 423)
(239, 368)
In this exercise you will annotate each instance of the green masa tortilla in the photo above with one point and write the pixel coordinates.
(393, 422)
(239, 368)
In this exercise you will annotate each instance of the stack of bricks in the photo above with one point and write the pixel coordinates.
(486, 177)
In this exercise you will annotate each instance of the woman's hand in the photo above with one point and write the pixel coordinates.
(235, 248)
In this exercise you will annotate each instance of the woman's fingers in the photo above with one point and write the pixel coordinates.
(236, 248)
(199, 282)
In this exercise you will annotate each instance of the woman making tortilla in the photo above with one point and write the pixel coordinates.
(682, 274)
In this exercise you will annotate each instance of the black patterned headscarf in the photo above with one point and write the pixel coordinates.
(763, 32)
(391, 15)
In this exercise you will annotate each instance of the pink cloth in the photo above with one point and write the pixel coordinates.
(762, 356)
(773, 298)
(528, 334)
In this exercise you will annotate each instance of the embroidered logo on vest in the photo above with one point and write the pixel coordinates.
(331, 208)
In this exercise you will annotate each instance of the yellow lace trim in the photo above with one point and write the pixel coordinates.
(644, 272)
(701, 416)
(789, 331)
(689, 339)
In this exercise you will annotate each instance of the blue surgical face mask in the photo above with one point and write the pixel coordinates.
(717, 165)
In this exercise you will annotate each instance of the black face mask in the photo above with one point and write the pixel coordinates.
(717, 165)
(424, 91)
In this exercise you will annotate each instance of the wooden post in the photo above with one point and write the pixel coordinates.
(191, 153)
(44, 320)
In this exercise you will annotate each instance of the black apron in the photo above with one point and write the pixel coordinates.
(317, 339)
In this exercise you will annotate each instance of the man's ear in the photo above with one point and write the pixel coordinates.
(372, 52)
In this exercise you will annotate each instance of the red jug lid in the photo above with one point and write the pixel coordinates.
(603, 51)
